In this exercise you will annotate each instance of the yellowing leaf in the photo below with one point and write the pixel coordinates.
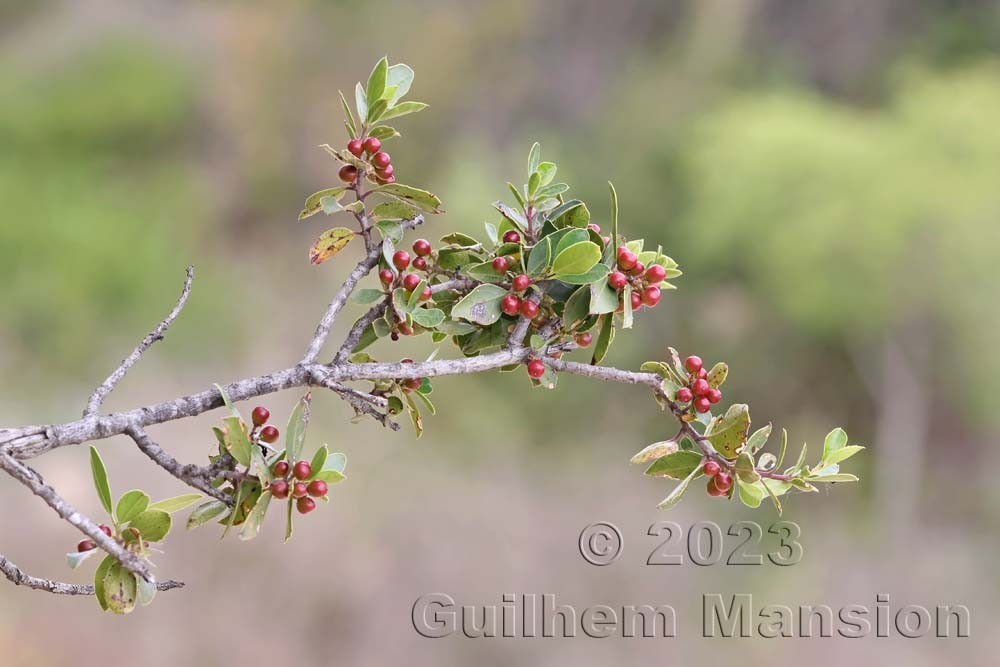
(329, 244)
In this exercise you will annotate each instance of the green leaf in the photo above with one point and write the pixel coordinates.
(330, 476)
(835, 439)
(655, 451)
(390, 229)
(428, 317)
(337, 461)
(678, 492)
(415, 418)
(842, 454)
(627, 314)
(377, 109)
(295, 432)
(728, 433)
(99, 576)
(836, 477)
(784, 448)
(396, 210)
(131, 504)
(400, 76)
(205, 513)
(420, 198)
(614, 224)
(534, 156)
(403, 109)
(119, 589)
(145, 591)
(676, 466)
(534, 181)
(314, 204)
(361, 101)
(481, 305)
(751, 494)
(251, 526)
(745, 468)
(603, 298)
(75, 558)
(539, 257)
(717, 375)
(152, 524)
(364, 297)
(547, 172)
(604, 338)
(176, 504)
(237, 442)
(319, 460)
(352, 125)
(759, 438)
(383, 132)
(329, 244)
(576, 259)
(376, 82)
(100, 474)
(577, 308)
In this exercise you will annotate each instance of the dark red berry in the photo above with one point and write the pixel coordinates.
(684, 395)
(401, 259)
(413, 383)
(529, 309)
(421, 247)
(317, 488)
(279, 489)
(594, 228)
(302, 470)
(714, 396)
(386, 277)
(420, 264)
(385, 173)
(584, 339)
(407, 360)
(511, 237)
(281, 468)
(626, 259)
(702, 404)
(410, 281)
(617, 280)
(381, 160)
(426, 294)
(637, 270)
(510, 304)
(299, 489)
(700, 387)
(305, 505)
(86, 545)
(521, 283)
(405, 329)
(636, 301)
(536, 368)
(724, 481)
(348, 173)
(269, 434)
(712, 468)
(105, 529)
(260, 415)
(651, 295)
(693, 364)
(500, 264)
(713, 488)
(703, 374)
(355, 147)
(394, 336)
(372, 145)
(389, 179)
(655, 274)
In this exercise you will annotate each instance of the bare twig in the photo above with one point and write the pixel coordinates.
(19, 577)
(194, 476)
(106, 387)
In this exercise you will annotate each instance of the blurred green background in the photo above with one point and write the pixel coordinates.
(826, 173)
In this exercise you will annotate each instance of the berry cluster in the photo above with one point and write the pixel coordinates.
(698, 391)
(409, 281)
(719, 481)
(371, 148)
(268, 434)
(298, 485)
(645, 282)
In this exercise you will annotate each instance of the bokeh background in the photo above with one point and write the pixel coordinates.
(827, 174)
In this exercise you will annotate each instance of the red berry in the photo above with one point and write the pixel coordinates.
(651, 295)
(594, 228)
(348, 173)
(372, 145)
(617, 280)
(637, 270)
(406, 361)
(404, 328)
(584, 339)
(394, 336)
(626, 258)
(713, 488)
(299, 489)
(536, 368)
(703, 374)
(714, 396)
(724, 481)
(521, 283)
(712, 468)
(356, 147)
(86, 545)
(684, 395)
(302, 470)
(386, 277)
(381, 160)
(385, 173)
(105, 529)
(655, 274)
(510, 304)
(693, 364)
(606, 239)
(389, 179)
(305, 505)
(529, 309)
(700, 387)
(413, 383)
(426, 294)
(702, 404)
(269, 434)
(636, 301)
(422, 247)
(260, 415)
(401, 259)
(281, 468)
(511, 237)
(420, 264)
(279, 489)
(410, 281)
(500, 264)
(317, 488)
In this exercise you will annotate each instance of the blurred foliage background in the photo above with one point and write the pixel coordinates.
(825, 172)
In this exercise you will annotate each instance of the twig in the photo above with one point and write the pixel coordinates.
(19, 577)
(106, 387)
(194, 476)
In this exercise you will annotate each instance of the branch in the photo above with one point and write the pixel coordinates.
(106, 387)
(19, 577)
(197, 477)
